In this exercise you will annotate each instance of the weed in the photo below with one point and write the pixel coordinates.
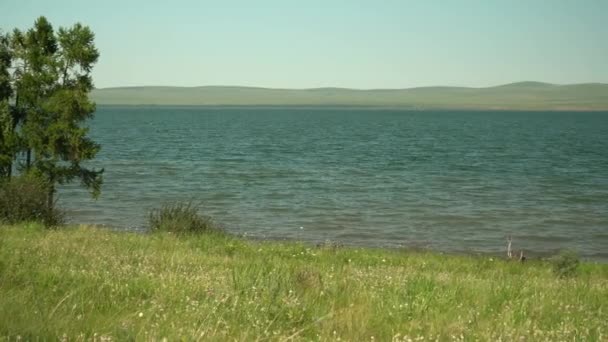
(565, 264)
(180, 218)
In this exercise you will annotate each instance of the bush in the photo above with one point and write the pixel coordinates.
(24, 199)
(180, 218)
(565, 264)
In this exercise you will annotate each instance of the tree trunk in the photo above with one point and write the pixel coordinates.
(15, 117)
(50, 200)
(28, 159)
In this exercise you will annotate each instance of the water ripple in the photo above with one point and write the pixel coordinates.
(456, 182)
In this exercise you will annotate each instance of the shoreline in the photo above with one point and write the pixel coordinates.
(415, 248)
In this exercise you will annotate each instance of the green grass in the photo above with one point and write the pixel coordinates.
(516, 96)
(84, 282)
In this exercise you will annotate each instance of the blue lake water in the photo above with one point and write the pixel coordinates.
(448, 181)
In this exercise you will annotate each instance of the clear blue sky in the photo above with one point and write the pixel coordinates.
(342, 43)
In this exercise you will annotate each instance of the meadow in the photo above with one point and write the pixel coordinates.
(83, 283)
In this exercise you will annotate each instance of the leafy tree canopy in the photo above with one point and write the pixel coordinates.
(45, 81)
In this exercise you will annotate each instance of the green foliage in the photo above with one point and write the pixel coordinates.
(45, 104)
(8, 141)
(180, 218)
(24, 199)
(7, 136)
(5, 63)
(565, 264)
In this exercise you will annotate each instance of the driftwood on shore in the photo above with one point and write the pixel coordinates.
(521, 258)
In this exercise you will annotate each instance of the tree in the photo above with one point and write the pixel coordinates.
(7, 137)
(49, 104)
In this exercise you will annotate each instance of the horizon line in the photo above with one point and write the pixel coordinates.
(357, 89)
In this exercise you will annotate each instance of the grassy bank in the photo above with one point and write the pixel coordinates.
(85, 282)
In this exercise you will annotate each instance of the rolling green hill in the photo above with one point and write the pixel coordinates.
(516, 96)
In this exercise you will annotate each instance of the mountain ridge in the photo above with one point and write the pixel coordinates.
(527, 95)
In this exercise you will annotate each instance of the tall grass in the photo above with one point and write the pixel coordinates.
(85, 283)
(565, 264)
(180, 218)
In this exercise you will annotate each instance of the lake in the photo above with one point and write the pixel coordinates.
(447, 181)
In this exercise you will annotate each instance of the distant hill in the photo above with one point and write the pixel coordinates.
(515, 96)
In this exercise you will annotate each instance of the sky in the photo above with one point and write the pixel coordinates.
(334, 43)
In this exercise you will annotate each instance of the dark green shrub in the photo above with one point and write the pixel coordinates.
(565, 264)
(180, 218)
(24, 199)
